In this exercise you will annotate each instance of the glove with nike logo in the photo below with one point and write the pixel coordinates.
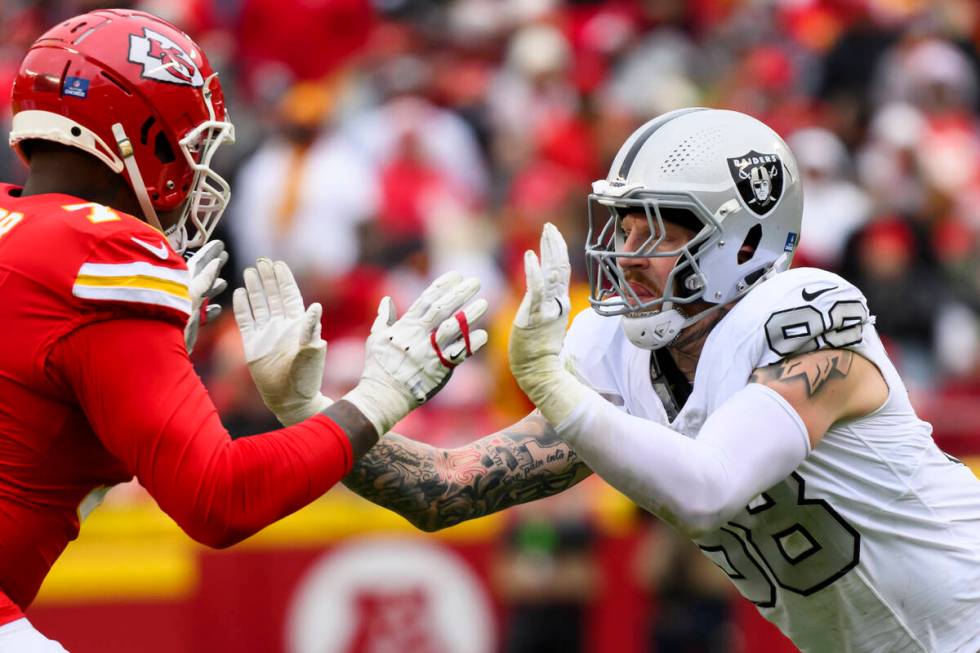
(204, 267)
(283, 347)
(410, 359)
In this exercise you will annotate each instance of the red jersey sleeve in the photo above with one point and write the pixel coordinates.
(132, 271)
(147, 405)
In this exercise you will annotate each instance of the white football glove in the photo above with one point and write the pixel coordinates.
(539, 330)
(204, 267)
(411, 359)
(282, 342)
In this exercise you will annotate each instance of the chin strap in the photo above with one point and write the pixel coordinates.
(135, 178)
(659, 330)
(781, 264)
(654, 331)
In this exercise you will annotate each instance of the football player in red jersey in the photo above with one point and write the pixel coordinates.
(118, 115)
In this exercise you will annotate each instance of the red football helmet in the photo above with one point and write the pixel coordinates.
(138, 94)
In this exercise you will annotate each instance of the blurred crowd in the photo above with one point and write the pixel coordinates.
(383, 142)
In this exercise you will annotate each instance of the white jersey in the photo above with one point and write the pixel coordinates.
(873, 543)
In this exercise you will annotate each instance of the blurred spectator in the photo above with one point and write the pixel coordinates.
(888, 164)
(852, 60)
(278, 44)
(906, 295)
(693, 596)
(546, 575)
(931, 73)
(835, 206)
(410, 130)
(302, 195)
(765, 83)
(532, 91)
(654, 76)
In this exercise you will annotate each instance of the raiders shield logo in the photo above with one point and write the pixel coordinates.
(163, 60)
(759, 179)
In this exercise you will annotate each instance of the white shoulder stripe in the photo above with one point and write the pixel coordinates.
(141, 268)
(136, 295)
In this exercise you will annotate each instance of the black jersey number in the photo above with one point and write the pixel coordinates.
(784, 539)
(799, 330)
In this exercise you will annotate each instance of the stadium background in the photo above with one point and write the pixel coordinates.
(380, 143)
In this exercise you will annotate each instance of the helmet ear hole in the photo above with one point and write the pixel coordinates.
(145, 130)
(748, 247)
(162, 149)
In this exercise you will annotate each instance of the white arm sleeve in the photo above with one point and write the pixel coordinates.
(750, 443)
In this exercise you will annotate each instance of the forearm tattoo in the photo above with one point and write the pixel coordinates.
(815, 369)
(434, 488)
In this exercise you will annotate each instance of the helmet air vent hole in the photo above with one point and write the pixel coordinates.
(678, 157)
(750, 244)
(76, 132)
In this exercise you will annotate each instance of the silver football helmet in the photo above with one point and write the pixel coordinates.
(723, 174)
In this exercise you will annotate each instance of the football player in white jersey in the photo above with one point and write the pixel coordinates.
(750, 406)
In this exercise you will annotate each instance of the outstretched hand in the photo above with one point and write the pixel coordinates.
(204, 267)
(283, 348)
(410, 359)
(546, 299)
(538, 332)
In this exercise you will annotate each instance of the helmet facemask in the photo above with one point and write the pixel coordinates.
(657, 321)
(209, 192)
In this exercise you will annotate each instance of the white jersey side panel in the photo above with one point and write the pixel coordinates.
(873, 543)
(598, 352)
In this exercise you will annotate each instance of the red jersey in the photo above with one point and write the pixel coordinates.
(95, 387)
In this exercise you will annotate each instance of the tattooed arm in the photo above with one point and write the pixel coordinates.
(434, 488)
(825, 386)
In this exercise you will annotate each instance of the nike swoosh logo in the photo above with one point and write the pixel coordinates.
(810, 296)
(160, 250)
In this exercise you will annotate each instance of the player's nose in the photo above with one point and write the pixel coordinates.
(633, 262)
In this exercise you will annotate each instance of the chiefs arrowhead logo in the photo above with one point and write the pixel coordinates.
(759, 179)
(163, 60)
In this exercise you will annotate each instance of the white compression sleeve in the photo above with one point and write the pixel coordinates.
(750, 443)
